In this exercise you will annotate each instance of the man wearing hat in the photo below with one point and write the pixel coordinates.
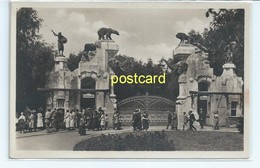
(170, 119)
(137, 120)
(134, 123)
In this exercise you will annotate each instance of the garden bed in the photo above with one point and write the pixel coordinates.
(164, 141)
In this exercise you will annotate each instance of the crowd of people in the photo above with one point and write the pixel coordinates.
(91, 119)
(56, 119)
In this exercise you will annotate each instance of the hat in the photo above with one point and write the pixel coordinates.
(21, 113)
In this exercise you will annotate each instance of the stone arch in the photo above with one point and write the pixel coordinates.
(88, 83)
(203, 85)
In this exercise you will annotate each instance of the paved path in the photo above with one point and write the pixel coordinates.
(66, 140)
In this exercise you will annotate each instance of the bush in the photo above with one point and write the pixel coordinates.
(240, 125)
(139, 141)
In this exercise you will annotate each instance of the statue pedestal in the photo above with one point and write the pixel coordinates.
(228, 69)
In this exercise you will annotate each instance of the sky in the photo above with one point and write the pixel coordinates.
(144, 33)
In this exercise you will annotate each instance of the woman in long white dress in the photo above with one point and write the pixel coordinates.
(102, 121)
(31, 122)
(72, 120)
(39, 120)
(67, 120)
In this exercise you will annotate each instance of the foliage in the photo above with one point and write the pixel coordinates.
(227, 26)
(35, 59)
(164, 141)
(125, 65)
(148, 141)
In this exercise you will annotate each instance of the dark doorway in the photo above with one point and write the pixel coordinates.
(203, 100)
(203, 106)
(87, 100)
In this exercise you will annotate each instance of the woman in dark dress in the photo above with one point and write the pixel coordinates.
(95, 121)
(90, 120)
(82, 126)
(145, 121)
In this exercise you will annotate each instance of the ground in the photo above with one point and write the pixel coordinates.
(207, 139)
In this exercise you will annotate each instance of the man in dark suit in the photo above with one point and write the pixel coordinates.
(170, 120)
(192, 119)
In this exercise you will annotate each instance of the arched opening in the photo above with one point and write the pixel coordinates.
(203, 86)
(87, 99)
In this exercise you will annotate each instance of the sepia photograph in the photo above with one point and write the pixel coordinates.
(129, 80)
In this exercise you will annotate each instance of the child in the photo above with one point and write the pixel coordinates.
(102, 120)
(215, 121)
(106, 121)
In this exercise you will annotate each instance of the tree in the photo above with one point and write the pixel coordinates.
(34, 60)
(227, 26)
(125, 65)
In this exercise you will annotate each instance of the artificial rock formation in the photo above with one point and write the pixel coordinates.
(222, 93)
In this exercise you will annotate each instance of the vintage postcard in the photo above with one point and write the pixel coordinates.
(129, 80)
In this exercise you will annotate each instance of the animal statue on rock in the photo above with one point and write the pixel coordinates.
(102, 32)
(184, 38)
(88, 52)
(121, 65)
(188, 39)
